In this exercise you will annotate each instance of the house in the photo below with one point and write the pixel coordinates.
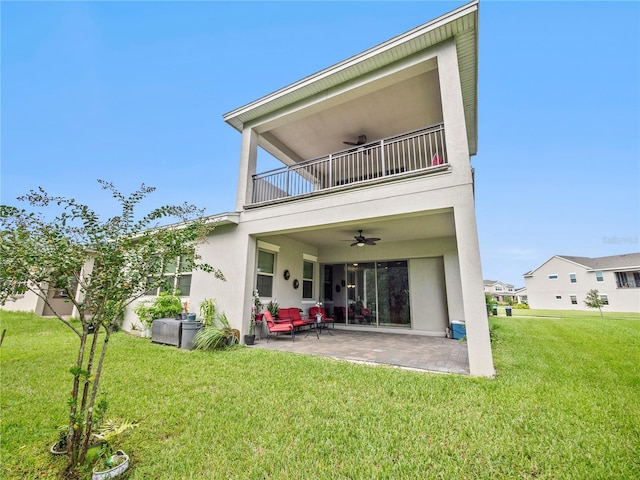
(562, 282)
(521, 295)
(372, 212)
(373, 206)
(499, 291)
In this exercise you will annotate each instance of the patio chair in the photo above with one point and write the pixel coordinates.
(273, 327)
(297, 319)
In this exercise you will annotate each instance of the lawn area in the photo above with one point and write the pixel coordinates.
(564, 405)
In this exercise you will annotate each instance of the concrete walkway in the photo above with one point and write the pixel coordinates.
(418, 352)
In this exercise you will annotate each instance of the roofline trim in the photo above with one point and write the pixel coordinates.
(381, 48)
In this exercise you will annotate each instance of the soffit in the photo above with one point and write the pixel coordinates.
(354, 74)
(434, 224)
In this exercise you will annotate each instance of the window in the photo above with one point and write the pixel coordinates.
(176, 276)
(572, 277)
(498, 288)
(574, 299)
(266, 268)
(599, 277)
(553, 276)
(605, 299)
(558, 297)
(307, 279)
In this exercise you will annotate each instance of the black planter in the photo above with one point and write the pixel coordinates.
(249, 339)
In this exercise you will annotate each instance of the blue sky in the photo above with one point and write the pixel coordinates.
(134, 92)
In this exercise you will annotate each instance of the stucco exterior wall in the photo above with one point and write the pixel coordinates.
(27, 302)
(428, 295)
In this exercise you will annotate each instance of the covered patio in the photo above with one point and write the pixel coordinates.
(416, 352)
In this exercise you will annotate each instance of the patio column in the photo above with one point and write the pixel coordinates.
(248, 163)
(475, 312)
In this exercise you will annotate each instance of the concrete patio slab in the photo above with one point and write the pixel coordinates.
(417, 352)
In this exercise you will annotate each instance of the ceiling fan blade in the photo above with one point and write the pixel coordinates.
(354, 244)
(351, 143)
(373, 239)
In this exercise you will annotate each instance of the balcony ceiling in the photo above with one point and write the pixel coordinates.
(391, 88)
(387, 107)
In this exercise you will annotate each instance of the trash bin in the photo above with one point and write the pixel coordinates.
(189, 330)
(494, 308)
(508, 310)
(458, 330)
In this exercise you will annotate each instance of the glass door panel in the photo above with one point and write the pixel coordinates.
(362, 294)
(368, 294)
(393, 294)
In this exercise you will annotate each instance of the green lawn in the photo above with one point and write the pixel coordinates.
(564, 405)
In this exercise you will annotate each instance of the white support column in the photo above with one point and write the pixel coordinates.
(248, 163)
(475, 311)
(455, 126)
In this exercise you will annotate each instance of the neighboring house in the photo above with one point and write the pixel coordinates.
(499, 291)
(562, 282)
(521, 295)
(373, 207)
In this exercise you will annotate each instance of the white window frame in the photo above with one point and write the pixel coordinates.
(599, 277)
(176, 274)
(273, 250)
(573, 299)
(312, 259)
(553, 276)
(605, 298)
(573, 278)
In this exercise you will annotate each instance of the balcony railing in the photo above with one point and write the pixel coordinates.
(422, 150)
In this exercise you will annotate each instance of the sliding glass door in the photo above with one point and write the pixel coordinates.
(371, 293)
(393, 294)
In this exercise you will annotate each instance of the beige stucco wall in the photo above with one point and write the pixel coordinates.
(27, 302)
(428, 295)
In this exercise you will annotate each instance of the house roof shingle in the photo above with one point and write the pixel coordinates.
(606, 263)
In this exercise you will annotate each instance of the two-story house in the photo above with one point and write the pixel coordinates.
(562, 282)
(499, 291)
(373, 205)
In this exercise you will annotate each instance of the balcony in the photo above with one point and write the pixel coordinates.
(417, 152)
(628, 279)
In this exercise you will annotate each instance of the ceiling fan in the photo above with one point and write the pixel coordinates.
(362, 139)
(361, 240)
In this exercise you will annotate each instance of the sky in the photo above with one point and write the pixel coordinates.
(134, 92)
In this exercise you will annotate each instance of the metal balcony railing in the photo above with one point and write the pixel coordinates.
(421, 150)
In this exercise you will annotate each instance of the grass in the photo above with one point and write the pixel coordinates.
(564, 405)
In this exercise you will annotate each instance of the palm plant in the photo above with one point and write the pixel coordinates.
(218, 335)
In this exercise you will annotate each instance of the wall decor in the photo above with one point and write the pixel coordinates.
(287, 275)
(296, 283)
(337, 288)
(343, 283)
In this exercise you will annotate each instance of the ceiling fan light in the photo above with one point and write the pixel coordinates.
(360, 244)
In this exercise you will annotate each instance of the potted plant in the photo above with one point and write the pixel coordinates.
(273, 308)
(218, 335)
(256, 308)
(110, 462)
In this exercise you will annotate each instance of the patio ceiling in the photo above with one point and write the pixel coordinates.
(435, 224)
